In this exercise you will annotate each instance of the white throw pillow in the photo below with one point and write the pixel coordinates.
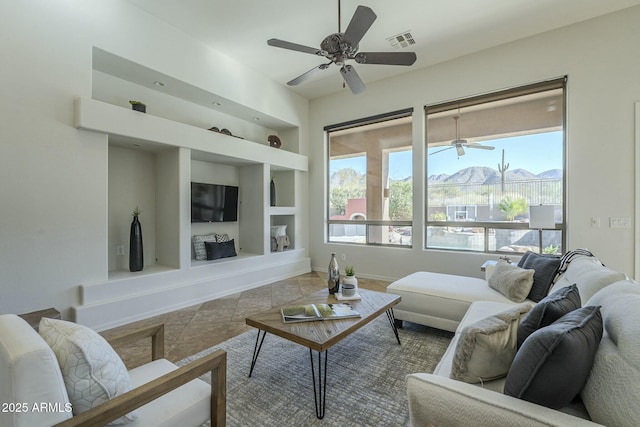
(487, 347)
(278, 230)
(93, 372)
(511, 281)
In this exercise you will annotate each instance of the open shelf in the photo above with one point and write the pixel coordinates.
(282, 210)
(152, 162)
(148, 132)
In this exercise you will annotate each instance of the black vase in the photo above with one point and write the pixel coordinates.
(136, 258)
(273, 193)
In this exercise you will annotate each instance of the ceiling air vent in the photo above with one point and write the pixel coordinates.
(402, 40)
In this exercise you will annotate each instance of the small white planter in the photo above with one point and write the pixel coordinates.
(351, 280)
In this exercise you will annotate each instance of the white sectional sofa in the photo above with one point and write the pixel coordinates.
(611, 395)
(440, 300)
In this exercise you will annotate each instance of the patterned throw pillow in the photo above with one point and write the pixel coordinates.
(93, 372)
(221, 238)
(198, 244)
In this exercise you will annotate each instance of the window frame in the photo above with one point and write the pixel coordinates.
(379, 118)
(487, 226)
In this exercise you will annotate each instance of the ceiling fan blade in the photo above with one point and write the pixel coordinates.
(306, 76)
(460, 149)
(439, 151)
(388, 58)
(294, 46)
(483, 147)
(360, 23)
(352, 79)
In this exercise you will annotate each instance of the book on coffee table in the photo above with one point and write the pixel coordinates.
(312, 312)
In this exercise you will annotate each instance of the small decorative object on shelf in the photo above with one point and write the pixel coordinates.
(138, 106)
(274, 141)
(136, 257)
(223, 131)
(350, 278)
(273, 193)
(333, 277)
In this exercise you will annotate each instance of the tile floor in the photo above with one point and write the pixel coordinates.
(201, 326)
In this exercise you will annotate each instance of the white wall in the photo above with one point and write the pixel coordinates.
(53, 177)
(602, 62)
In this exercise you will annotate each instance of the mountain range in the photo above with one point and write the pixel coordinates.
(470, 175)
(486, 175)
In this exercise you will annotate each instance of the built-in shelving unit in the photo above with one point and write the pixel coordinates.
(152, 161)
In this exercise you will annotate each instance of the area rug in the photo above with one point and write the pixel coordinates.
(365, 377)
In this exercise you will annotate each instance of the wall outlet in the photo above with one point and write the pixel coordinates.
(343, 257)
(120, 250)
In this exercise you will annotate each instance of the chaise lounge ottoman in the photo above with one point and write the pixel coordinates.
(440, 300)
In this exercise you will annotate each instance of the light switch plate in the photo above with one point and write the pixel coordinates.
(620, 222)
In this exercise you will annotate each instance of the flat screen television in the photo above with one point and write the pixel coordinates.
(213, 203)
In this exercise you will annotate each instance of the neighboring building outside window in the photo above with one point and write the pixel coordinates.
(370, 188)
(489, 158)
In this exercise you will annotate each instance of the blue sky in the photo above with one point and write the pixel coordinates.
(536, 153)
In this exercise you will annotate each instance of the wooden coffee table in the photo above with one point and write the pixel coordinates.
(319, 336)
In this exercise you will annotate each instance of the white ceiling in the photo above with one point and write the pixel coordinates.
(442, 29)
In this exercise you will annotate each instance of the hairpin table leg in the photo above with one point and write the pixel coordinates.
(256, 349)
(319, 391)
(392, 320)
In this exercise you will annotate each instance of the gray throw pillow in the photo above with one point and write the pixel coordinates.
(545, 268)
(553, 364)
(511, 281)
(548, 310)
(486, 348)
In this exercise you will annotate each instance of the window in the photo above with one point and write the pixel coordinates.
(491, 157)
(370, 188)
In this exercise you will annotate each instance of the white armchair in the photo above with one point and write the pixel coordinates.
(33, 392)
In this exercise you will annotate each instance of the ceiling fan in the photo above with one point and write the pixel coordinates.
(340, 47)
(459, 144)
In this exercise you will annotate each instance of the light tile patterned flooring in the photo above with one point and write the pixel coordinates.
(195, 328)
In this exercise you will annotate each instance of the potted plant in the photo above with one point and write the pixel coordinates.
(138, 106)
(350, 276)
